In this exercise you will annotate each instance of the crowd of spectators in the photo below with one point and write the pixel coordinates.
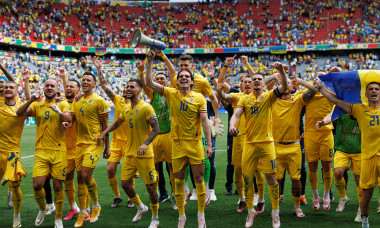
(208, 24)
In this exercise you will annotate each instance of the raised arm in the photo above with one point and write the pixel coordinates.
(61, 73)
(207, 132)
(244, 60)
(155, 131)
(103, 81)
(168, 64)
(24, 109)
(284, 81)
(272, 80)
(149, 74)
(344, 105)
(223, 96)
(211, 75)
(6, 73)
(305, 84)
(234, 119)
(147, 90)
(225, 67)
(25, 77)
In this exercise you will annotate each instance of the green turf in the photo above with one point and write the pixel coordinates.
(220, 213)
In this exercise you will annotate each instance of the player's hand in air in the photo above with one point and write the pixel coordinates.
(97, 63)
(278, 66)
(150, 55)
(230, 60)
(140, 66)
(142, 149)
(159, 53)
(244, 59)
(61, 72)
(335, 69)
(210, 71)
(25, 74)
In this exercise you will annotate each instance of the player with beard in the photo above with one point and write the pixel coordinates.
(142, 127)
(11, 169)
(50, 156)
(259, 151)
(367, 116)
(3, 79)
(72, 88)
(162, 144)
(239, 140)
(119, 138)
(91, 116)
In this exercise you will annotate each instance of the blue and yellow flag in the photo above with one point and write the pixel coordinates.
(349, 86)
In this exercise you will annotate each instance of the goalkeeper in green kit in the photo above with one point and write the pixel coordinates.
(347, 147)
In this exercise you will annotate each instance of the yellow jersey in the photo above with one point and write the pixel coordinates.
(120, 132)
(184, 111)
(369, 123)
(241, 122)
(286, 119)
(50, 134)
(11, 127)
(2, 98)
(258, 116)
(201, 85)
(88, 111)
(137, 127)
(71, 133)
(316, 109)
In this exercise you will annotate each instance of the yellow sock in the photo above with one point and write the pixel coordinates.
(313, 178)
(70, 192)
(274, 195)
(136, 200)
(93, 191)
(82, 196)
(296, 200)
(172, 180)
(327, 179)
(180, 195)
(40, 198)
(359, 193)
(249, 193)
(239, 180)
(201, 195)
(16, 196)
(154, 208)
(59, 199)
(260, 182)
(341, 187)
(114, 185)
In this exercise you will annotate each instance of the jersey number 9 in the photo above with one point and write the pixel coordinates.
(47, 114)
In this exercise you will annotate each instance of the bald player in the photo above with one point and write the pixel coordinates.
(50, 155)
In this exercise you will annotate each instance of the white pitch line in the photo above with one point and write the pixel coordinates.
(27, 156)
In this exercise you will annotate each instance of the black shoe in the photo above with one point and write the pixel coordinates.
(116, 202)
(163, 198)
(229, 191)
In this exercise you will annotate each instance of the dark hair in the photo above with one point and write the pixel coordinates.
(161, 73)
(185, 57)
(137, 81)
(259, 74)
(76, 81)
(91, 74)
(191, 76)
(371, 84)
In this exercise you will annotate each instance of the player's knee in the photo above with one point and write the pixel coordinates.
(248, 180)
(57, 188)
(198, 179)
(271, 178)
(111, 171)
(37, 186)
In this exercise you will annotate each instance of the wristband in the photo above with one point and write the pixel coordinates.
(225, 66)
(164, 57)
(58, 111)
(247, 65)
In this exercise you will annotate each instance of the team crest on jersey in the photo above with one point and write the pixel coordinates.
(137, 111)
(261, 98)
(90, 101)
(191, 99)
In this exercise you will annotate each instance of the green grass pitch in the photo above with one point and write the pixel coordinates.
(220, 213)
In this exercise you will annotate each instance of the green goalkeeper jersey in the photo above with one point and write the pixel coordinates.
(347, 137)
(161, 108)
